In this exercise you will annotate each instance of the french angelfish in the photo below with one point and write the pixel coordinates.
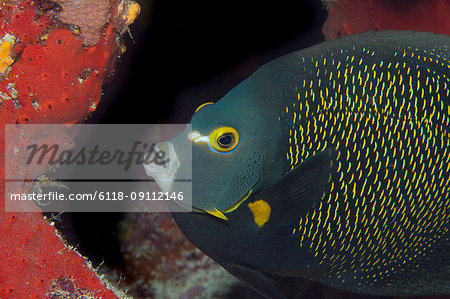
(331, 164)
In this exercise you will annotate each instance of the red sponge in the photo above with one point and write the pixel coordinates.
(347, 17)
(51, 71)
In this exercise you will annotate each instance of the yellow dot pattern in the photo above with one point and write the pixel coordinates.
(387, 208)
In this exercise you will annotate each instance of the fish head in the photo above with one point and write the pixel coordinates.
(232, 146)
(227, 160)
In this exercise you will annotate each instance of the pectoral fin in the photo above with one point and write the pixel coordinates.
(299, 190)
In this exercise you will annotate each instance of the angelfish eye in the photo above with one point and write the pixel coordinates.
(224, 139)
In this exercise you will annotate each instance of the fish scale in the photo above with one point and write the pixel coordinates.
(389, 203)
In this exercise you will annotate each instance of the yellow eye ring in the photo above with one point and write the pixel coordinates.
(224, 139)
(203, 105)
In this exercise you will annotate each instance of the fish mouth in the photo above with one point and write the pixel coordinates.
(221, 214)
(164, 174)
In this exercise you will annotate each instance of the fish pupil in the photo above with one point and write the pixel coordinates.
(225, 140)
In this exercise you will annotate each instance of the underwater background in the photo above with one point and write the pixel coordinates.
(181, 54)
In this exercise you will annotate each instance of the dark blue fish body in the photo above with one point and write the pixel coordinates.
(340, 170)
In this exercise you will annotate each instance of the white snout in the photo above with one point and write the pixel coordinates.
(164, 174)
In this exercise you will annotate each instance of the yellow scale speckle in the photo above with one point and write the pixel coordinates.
(392, 163)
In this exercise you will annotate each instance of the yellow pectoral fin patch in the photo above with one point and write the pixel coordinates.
(261, 211)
